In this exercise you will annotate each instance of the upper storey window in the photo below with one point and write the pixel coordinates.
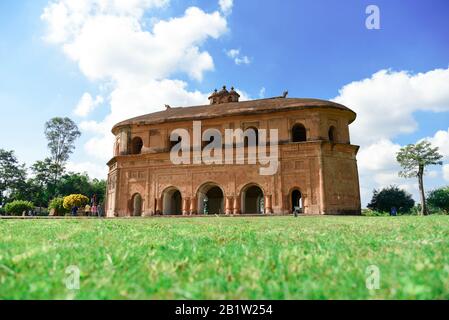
(332, 134)
(176, 139)
(136, 145)
(299, 133)
(251, 137)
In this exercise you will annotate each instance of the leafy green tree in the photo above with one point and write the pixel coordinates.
(98, 188)
(391, 197)
(414, 159)
(17, 207)
(12, 176)
(42, 186)
(73, 183)
(439, 199)
(57, 204)
(61, 134)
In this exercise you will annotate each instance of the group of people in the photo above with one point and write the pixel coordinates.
(90, 210)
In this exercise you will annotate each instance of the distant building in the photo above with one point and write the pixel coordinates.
(317, 171)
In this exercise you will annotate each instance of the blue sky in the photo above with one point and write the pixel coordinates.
(311, 48)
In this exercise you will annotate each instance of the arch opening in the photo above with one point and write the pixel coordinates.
(253, 201)
(299, 133)
(136, 205)
(296, 201)
(174, 143)
(210, 199)
(136, 145)
(251, 142)
(172, 202)
(332, 134)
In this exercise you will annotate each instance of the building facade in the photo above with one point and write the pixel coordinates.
(316, 174)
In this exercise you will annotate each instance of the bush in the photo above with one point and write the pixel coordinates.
(16, 208)
(439, 200)
(75, 200)
(57, 204)
(2, 211)
(391, 197)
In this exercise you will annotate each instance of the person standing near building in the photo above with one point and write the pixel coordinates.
(87, 210)
(94, 210)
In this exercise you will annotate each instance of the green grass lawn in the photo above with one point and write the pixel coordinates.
(226, 258)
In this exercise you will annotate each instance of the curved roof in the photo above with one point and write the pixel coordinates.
(260, 106)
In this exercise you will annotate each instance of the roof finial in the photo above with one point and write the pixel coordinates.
(285, 94)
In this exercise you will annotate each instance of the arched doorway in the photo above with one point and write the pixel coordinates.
(172, 202)
(299, 133)
(136, 205)
(253, 200)
(210, 199)
(332, 133)
(296, 201)
(136, 145)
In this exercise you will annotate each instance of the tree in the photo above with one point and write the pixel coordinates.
(61, 134)
(391, 197)
(73, 183)
(57, 204)
(12, 175)
(414, 159)
(42, 186)
(44, 171)
(16, 208)
(75, 200)
(98, 188)
(439, 199)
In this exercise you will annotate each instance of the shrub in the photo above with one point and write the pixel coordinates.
(57, 204)
(391, 197)
(2, 211)
(439, 199)
(75, 200)
(16, 208)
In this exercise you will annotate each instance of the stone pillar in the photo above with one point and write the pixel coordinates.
(268, 205)
(236, 209)
(159, 209)
(229, 205)
(185, 206)
(193, 206)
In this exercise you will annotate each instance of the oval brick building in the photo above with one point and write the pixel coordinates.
(316, 173)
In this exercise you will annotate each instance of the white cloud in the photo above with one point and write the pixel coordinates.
(441, 140)
(242, 60)
(233, 53)
(66, 18)
(226, 6)
(94, 170)
(238, 59)
(446, 172)
(112, 45)
(262, 92)
(379, 156)
(87, 104)
(385, 103)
